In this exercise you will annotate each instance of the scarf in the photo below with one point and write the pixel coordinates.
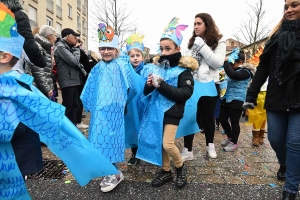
(287, 66)
(173, 59)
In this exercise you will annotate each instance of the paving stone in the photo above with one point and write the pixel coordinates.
(230, 179)
(251, 179)
(210, 179)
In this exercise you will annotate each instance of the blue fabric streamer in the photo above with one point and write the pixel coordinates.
(153, 108)
(46, 118)
(110, 86)
(188, 124)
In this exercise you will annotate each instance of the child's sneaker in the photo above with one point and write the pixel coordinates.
(186, 155)
(231, 147)
(181, 178)
(133, 160)
(211, 151)
(111, 181)
(226, 142)
(162, 178)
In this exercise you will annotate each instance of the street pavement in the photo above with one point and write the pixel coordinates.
(249, 173)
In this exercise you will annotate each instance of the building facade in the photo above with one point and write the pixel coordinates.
(59, 14)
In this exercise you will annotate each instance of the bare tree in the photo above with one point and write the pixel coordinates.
(112, 14)
(253, 30)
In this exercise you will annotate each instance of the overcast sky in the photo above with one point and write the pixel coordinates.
(153, 15)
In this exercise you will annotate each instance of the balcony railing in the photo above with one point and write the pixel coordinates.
(79, 27)
(79, 4)
(58, 11)
(50, 5)
(84, 9)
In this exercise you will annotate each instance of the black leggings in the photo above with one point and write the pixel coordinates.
(234, 115)
(205, 114)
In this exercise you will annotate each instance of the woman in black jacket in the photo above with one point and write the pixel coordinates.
(280, 62)
(24, 29)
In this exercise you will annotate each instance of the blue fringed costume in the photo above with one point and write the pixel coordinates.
(110, 86)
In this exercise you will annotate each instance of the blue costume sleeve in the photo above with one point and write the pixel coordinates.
(47, 119)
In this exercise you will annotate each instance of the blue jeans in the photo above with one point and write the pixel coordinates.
(284, 137)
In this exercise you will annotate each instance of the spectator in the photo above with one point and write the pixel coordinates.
(68, 69)
(84, 60)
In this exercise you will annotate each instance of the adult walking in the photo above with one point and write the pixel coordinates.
(280, 62)
(208, 46)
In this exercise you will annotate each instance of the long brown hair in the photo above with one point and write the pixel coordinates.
(211, 35)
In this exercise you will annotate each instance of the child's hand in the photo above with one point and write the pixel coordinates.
(156, 80)
(149, 80)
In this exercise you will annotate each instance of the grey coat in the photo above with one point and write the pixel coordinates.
(67, 64)
(42, 76)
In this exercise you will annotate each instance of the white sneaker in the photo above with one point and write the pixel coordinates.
(111, 181)
(82, 125)
(211, 151)
(186, 155)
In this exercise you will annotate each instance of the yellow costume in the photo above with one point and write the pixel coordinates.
(258, 115)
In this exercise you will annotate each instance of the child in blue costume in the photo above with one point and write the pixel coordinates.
(27, 116)
(135, 51)
(169, 85)
(238, 75)
(108, 89)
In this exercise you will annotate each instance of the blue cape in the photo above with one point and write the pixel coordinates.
(153, 106)
(109, 87)
(46, 118)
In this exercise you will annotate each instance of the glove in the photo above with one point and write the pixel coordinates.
(248, 105)
(250, 102)
(156, 80)
(199, 42)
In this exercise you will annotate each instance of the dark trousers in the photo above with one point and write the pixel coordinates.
(80, 105)
(234, 115)
(205, 114)
(70, 101)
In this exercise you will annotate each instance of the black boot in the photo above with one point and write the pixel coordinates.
(281, 173)
(288, 196)
(162, 178)
(181, 176)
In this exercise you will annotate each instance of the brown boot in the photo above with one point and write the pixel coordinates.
(261, 137)
(255, 138)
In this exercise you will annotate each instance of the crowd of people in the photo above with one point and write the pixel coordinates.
(141, 105)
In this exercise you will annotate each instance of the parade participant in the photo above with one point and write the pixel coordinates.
(258, 115)
(108, 89)
(209, 47)
(135, 51)
(169, 85)
(280, 62)
(27, 117)
(238, 75)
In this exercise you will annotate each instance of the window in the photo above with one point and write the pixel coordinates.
(49, 21)
(32, 13)
(58, 2)
(83, 43)
(232, 43)
(69, 10)
(78, 22)
(58, 28)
